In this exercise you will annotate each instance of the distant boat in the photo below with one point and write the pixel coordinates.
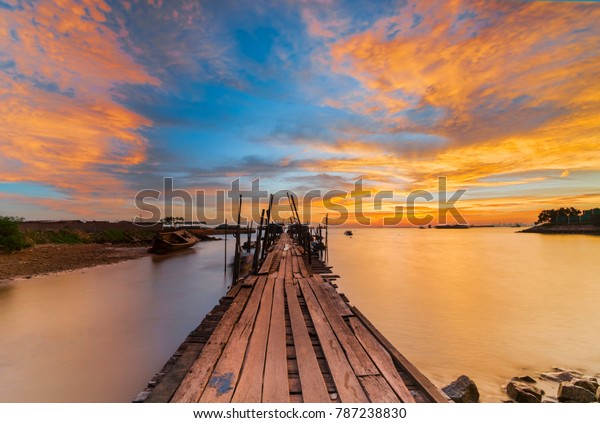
(166, 242)
(452, 227)
(348, 233)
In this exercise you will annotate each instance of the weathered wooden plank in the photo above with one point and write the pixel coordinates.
(249, 387)
(348, 386)
(195, 381)
(275, 386)
(166, 388)
(224, 378)
(233, 291)
(357, 356)
(436, 394)
(377, 389)
(250, 280)
(330, 292)
(271, 256)
(276, 263)
(301, 264)
(311, 379)
(289, 275)
(295, 265)
(382, 359)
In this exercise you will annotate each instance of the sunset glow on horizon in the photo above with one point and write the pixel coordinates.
(102, 99)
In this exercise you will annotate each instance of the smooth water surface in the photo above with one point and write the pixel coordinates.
(486, 302)
(99, 334)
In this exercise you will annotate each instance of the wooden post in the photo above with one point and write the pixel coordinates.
(327, 238)
(248, 238)
(225, 246)
(238, 248)
(257, 244)
(294, 208)
(267, 230)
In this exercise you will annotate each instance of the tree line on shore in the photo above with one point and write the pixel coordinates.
(553, 215)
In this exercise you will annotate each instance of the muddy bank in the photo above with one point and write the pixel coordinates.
(49, 258)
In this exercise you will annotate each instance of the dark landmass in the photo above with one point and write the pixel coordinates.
(50, 258)
(549, 228)
(71, 245)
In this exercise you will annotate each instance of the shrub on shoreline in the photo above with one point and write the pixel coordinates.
(11, 237)
(61, 236)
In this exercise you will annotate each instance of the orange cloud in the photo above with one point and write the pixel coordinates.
(512, 87)
(59, 120)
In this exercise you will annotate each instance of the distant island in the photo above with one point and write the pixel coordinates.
(567, 220)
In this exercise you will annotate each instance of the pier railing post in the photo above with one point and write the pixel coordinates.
(267, 230)
(238, 244)
(257, 244)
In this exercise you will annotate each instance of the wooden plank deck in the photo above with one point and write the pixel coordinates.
(289, 336)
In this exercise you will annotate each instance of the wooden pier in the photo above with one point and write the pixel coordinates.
(286, 335)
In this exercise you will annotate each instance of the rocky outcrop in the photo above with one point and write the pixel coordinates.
(568, 392)
(561, 376)
(524, 379)
(572, 386)
(523, 392)
(588, 383)
(462, 389)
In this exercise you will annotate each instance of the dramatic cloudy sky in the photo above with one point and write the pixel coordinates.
(99, 100)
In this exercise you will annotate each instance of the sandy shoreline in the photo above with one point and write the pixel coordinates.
(52, 258)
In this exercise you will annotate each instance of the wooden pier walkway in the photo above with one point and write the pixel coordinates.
(286, 335)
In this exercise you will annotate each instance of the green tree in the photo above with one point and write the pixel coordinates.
(11, 237)
(550, 216)
(547, 216)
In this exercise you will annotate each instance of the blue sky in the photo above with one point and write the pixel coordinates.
(103, 99)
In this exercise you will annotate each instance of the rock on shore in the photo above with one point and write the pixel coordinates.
(571, 385)
(462, 389)
(523, 392)
(568, 392)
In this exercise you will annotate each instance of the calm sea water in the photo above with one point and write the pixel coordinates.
(486, 302)
(99, 335)
(489, 303)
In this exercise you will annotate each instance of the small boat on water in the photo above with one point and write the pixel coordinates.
(166, 242)
(452, 226)
(348, 233)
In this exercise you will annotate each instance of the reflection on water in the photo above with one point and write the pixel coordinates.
(489, 303)
(486, 302)
(99, 335)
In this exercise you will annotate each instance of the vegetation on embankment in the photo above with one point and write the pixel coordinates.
(73, 236)
(15, 237)
(11, 237)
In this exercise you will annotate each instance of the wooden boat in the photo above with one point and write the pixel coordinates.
(348, 233)
(166, 242)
